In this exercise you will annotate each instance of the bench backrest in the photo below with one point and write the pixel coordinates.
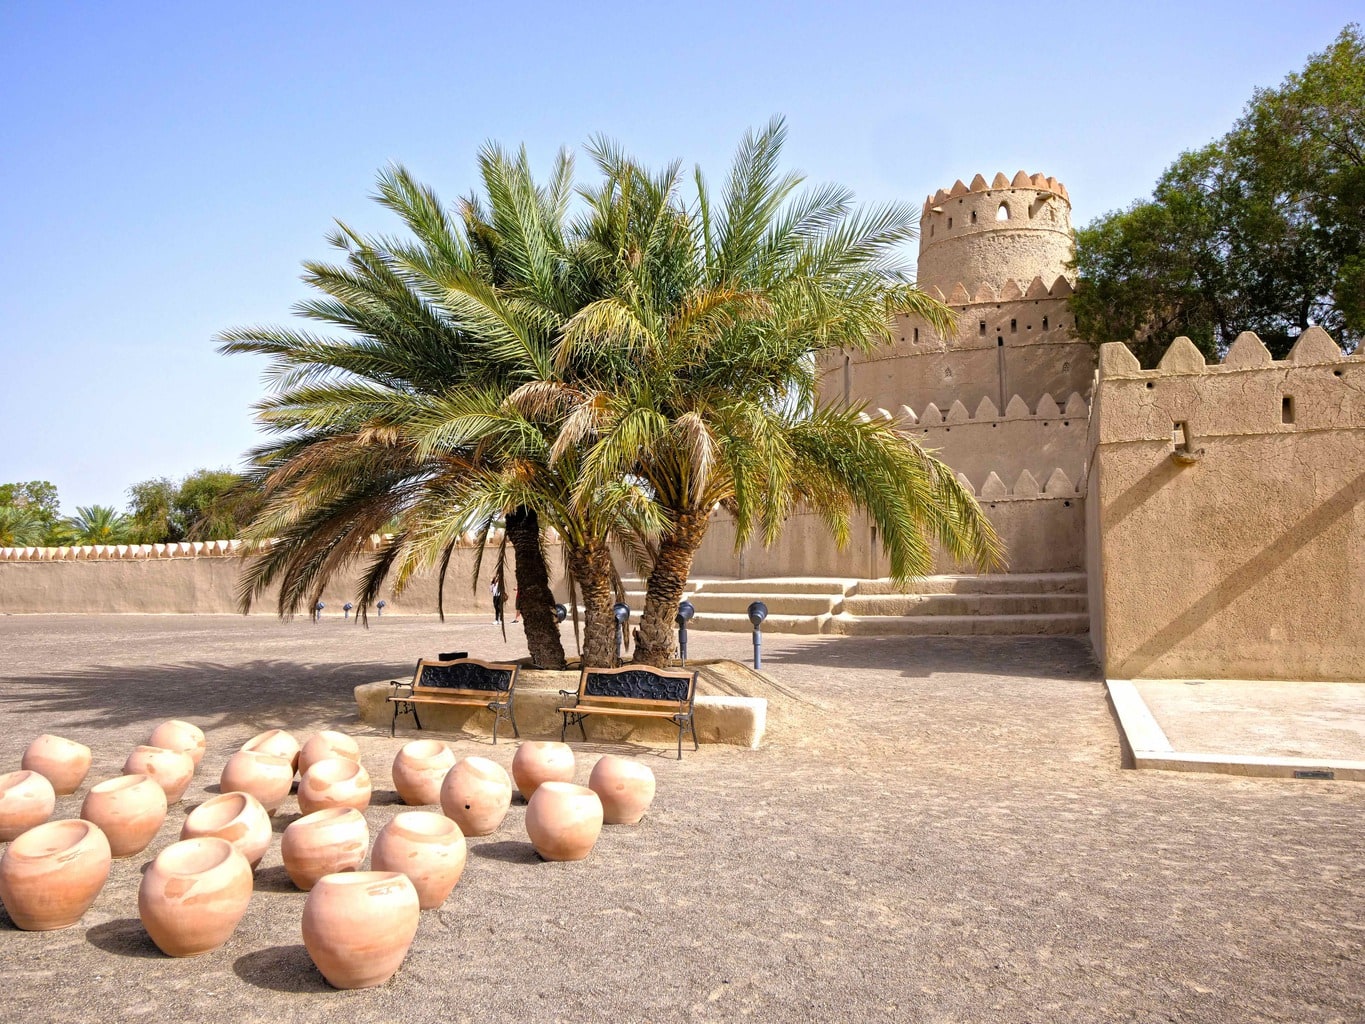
(464, 676)
(636, 684)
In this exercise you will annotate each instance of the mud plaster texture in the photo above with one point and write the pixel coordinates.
(934, 830)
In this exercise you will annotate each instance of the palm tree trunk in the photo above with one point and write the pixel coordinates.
(535, 600)
(667, 581)
(591, 568)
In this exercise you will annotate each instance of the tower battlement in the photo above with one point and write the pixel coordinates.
(989, 233)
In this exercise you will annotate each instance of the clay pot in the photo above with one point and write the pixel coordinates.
(327, 744)
(427, 847)
(625, 787)
(266, 777)
(26, 799)
(563, 820)
(237, 817)
(334, 782)
(51, 874)
(276, 742)
(193, 894)
(357, 927)
(538, 761)
(129, 809)
(419, 769)
(61, 761)
(171, 769)
(322, 843)
(182, 736)
(476, 795)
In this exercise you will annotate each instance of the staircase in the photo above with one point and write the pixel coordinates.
(1001, 605)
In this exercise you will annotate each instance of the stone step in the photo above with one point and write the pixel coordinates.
(1000, 583)
(763, 588)
(778, 603)
(965, 604)
(958, 625)
(728, 622)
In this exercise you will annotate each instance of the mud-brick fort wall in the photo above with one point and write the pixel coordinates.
(202, 579)
(1226, 511)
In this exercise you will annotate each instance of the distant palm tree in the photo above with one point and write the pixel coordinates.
(96, 524)
(20, 528)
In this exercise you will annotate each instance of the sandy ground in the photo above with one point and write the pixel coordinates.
(936, 830)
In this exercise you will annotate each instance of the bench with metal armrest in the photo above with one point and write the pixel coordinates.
(633, 691)
(460, 681)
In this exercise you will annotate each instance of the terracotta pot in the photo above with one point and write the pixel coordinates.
(324, 842)
(51, 874)
(276, 742)
(129, 809)
(357, 927)
(61, 761)
(237, 817)
(538, 761)
(193, 894)
(171, 769)
(327, 744)
(266, 777)
(563, 820)
(476, 795)
(334, 782)
(625, 787)
(419, 769)
(26, 799)
(427, 847)
(182, 736)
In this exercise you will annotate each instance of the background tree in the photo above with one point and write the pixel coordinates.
(1263, 230)
(20, 528)
(32, 502)
(151, 512)
(96, 524)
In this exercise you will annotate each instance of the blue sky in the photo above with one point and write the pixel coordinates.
(164, 168)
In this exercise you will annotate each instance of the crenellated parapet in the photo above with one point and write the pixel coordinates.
(992, 232)
(1316, 387)
(185, 549)
(1057, 484)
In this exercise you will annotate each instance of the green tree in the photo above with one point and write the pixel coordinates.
(38, 503)
(1263, 230)
(151, 506)
(214, 504)
(21, 528)
(701, 382)
(96, 524)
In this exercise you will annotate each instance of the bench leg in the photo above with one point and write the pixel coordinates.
(393, 726)
(415, 717)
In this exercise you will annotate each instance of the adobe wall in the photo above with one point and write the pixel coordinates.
(1043, 526)
(201, 579)
(1243, 557)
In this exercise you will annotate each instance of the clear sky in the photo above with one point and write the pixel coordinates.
(164, 168)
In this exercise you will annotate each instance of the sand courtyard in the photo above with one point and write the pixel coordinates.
(933, 830)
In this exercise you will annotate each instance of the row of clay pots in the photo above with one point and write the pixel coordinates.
(56, 766)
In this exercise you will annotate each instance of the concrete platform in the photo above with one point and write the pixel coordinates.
(726, 718)
(1302, 730)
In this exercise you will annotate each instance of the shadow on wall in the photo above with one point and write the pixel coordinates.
(1244, 577)
(256, 693)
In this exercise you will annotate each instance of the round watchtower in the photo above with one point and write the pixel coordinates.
(992, 233)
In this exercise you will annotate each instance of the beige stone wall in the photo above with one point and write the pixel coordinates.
(206, 584)
(1247, 558)
(1044, 532)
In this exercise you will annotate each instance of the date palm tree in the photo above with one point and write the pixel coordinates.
(20, 528)
(96, 524)
(701, 381)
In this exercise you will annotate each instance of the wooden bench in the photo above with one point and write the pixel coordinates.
(464, 682)
(635, 691)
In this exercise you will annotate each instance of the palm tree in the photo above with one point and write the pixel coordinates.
(703, 385)
(96, 524)
(20, 528)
